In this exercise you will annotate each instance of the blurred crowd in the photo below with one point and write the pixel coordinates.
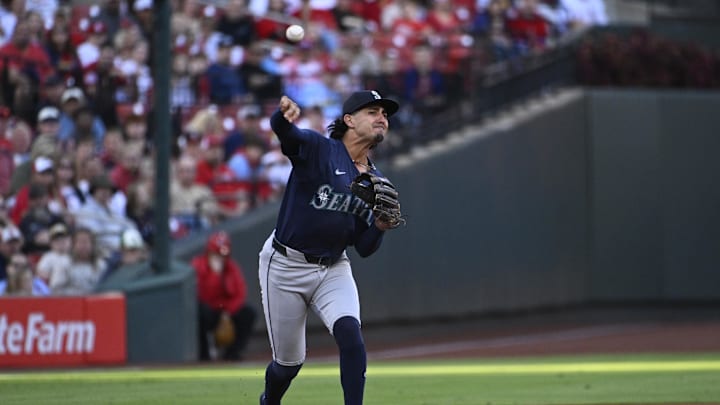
(645, 60)
(77, 158)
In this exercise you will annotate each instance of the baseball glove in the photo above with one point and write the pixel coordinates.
(380, 194)
(224, 331)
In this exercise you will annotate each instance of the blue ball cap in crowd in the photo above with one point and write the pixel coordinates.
(364, 98)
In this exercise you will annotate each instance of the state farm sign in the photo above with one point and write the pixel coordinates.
(38, 335)
(62, 331)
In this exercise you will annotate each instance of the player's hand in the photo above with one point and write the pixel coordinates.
(289, 109)
(382, 225)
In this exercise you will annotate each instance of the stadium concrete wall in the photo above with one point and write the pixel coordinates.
(597, 196)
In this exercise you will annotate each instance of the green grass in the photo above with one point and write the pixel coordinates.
(626, 379)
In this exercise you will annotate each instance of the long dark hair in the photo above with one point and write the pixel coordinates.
(337, 128)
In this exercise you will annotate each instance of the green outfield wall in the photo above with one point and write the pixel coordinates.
(606, 197)
(601, 196)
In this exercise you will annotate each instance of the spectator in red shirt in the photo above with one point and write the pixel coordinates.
(273, 23)
(128, 169)
(24, 58)
(222, 291)
(233, 194)
(527, 28)
(442, 17)
(7, 165)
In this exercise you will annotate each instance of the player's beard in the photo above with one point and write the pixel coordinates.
(378, 138)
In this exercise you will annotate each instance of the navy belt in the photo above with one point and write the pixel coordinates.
(321, 260)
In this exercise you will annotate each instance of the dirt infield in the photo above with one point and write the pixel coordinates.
(636, 329)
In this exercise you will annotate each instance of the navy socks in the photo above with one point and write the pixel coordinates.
(353, 364)
(277, 381)
(353, 359)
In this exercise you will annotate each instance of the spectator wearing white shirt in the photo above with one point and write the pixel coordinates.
(88, 52)
(57, 259)
(96, 215)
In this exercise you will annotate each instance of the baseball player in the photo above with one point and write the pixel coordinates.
(303, 263)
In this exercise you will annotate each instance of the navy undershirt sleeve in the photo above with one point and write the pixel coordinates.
(369, 241)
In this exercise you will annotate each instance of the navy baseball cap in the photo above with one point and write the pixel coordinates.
(364, 98)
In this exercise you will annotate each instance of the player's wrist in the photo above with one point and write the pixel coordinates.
(383, 226)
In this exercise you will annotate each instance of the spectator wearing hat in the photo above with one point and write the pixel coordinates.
(57, 259)
(143, 11)
(226, 85)
(11, 242)
(84, 272)
(37, 220)
(46, 142)
(43, 175)
(72, 103)
(44, 145)
(222, 292)
(132, 251)
(142, 6)
(97, 216)
(48, 121)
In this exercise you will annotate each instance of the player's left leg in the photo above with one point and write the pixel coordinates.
(337, 303)
(277, 382)
(353, 359)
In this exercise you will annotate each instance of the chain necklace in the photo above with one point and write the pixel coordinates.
(367, 166)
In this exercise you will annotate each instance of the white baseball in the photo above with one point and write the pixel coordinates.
(294, 33)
